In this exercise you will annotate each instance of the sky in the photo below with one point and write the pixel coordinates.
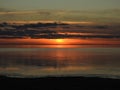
(60, 4)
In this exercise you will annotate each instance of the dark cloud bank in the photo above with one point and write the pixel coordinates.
(58, 30)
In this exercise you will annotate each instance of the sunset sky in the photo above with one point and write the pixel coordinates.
(59, 4)
(96, 18)
(60, 10)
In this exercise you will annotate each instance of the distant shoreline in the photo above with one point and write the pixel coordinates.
(62, 83)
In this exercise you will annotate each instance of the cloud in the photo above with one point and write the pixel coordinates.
(58, 30)
(104, 16)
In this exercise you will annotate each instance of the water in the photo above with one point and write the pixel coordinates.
(60, 60)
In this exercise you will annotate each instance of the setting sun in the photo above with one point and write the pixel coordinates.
(59, 41)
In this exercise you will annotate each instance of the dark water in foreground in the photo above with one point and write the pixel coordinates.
(60, 60)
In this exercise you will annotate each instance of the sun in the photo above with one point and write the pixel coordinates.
(59, 41)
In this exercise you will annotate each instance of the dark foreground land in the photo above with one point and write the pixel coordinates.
(59, 83)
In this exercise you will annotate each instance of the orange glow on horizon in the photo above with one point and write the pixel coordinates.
(59, 41)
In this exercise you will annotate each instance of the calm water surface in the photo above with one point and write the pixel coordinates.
(60, 60)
